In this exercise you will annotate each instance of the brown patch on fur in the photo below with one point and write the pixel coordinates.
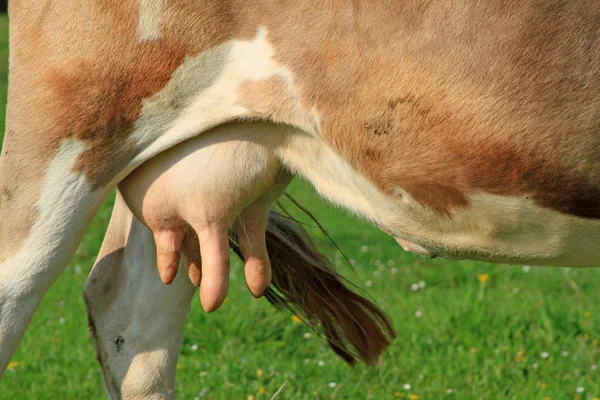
(106, 102)
(305, 283)
(78, 71)
(270, 99)
(444, 100)
(103, 103)
(89, 78)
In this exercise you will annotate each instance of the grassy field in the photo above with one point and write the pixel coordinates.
(466, 330)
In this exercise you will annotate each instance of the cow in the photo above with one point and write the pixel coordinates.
(464, 129)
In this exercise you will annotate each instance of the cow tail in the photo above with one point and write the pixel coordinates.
(305, 283)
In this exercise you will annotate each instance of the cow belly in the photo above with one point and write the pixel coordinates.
(506, 229)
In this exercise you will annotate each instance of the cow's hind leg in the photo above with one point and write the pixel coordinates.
(135, 319)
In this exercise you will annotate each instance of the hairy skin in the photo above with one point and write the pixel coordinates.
(464, 129)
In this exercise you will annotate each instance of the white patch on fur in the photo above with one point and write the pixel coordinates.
(217, 104)
(149, 20)
(512, 229)
(333, 177)
(494, 228)
(55, 235)
(61, 192)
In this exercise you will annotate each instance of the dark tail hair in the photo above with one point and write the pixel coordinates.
(305, 283)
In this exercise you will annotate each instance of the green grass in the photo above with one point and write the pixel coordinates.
(458, 338)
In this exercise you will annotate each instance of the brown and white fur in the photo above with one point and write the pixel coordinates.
(465, 129)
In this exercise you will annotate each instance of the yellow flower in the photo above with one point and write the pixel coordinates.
(179, 366)
(587, 314)
(259, 372)
(413, 397)
(483, 278)
(250, 397)
(296, 320)
(13, 365)
(261, 390)
(543, 386)
(520, 356)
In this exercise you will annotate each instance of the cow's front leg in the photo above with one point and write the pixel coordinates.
(45, 207)
(135, 319)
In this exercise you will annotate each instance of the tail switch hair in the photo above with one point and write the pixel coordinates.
(305, 283)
